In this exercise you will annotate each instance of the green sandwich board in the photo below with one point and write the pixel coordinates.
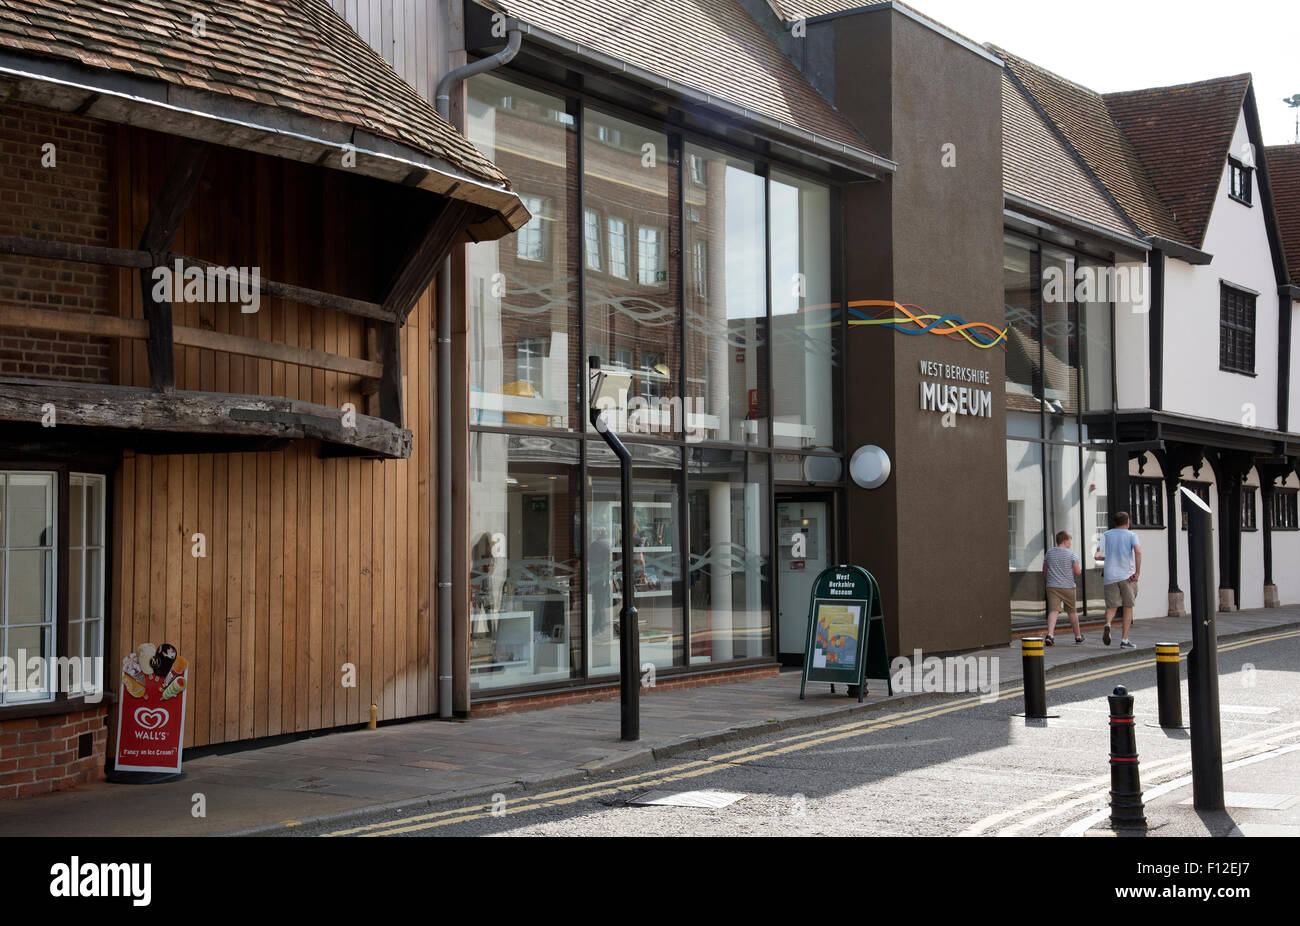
(846, 631)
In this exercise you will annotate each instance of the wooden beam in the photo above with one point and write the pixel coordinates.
(271, 350)
(390, 377)
(301, 294)
(127, 257)
(23, 246)
(425, 258)
(174, 199)
(111, 326)
(164, 219)
(191, 413)
(104, 326)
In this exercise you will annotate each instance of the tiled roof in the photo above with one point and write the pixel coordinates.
(297, 55)
(1182, 135)
(1083, 118)
(1038, 167)
(712, 46)
(1283, 163)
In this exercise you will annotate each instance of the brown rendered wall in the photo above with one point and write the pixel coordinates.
(935, 534)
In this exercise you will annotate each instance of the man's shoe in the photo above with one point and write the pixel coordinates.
(1049, 640)
(1125, 644)
(1105, 635)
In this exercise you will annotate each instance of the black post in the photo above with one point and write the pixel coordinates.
(1035, 672)
(630, 643)
(1126, 807)
(1203, 665)
(1169, 685)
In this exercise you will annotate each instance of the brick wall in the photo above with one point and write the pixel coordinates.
(42, 754)
(68, 202)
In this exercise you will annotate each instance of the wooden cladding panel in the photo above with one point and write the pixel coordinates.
(311, 563)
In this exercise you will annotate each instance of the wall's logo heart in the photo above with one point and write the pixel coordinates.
(150, 718)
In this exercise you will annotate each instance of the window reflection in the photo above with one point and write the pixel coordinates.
(726, 308)
(805, 323)
(524, 562)
(522, 314)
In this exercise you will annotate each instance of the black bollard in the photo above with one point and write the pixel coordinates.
(1031, 657)
(1169, 686)
(1126, 808)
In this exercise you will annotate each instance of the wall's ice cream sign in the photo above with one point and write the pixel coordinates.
(151, 709)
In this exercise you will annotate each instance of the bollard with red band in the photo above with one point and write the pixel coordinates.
(1126, 809)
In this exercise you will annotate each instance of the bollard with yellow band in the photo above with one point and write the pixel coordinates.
(1035, 673)
(1169, 686)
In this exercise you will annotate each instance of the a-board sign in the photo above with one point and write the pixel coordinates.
(846, 630)
(151, 710)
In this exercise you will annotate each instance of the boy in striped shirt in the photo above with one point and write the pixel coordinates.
(1060, 568)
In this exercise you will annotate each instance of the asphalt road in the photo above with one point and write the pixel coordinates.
(944, 765)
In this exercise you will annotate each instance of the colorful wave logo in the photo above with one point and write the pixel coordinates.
(979, 334)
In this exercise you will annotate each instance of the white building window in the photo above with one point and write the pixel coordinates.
(591, 237)
(29, 583)
(617, 236)
(530, 241)
(651, 265)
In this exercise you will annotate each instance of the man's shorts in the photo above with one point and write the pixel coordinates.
(1060, 599)
(1121, 594)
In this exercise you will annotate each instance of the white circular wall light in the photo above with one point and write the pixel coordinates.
(869, 466)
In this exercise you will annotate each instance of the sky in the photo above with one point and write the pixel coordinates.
(1111, 45)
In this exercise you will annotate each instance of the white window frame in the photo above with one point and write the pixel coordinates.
(616, 233)
(530, 241)
(591, 237)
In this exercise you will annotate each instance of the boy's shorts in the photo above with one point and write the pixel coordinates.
(1060, 599)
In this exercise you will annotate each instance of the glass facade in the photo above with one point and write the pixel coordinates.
(1059, 370)
(654, 252)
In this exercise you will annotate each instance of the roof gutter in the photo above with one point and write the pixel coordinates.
(132, 100)
(842, 154)
(1181, 251)
(1065, 220)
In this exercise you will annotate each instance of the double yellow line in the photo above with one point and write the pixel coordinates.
(687, 770)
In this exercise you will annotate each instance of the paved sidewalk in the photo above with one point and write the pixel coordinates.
(433, 761)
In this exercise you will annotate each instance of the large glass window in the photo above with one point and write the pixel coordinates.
(656, 555)
(524, 561)
(521, 289)
(27, 579)
(730, 580)
(1019, 275)
(29, 582)
(629, 177)
(1025, 528)
(1095, 343)
(673, 247)
(805, 321)
(1059, 366)
(726, 306)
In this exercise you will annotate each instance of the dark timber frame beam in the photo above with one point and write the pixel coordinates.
(148, 415)
(164, 219)
(127, 257)
(413, 277)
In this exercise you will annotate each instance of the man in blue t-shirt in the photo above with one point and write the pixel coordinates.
(1122, 554)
